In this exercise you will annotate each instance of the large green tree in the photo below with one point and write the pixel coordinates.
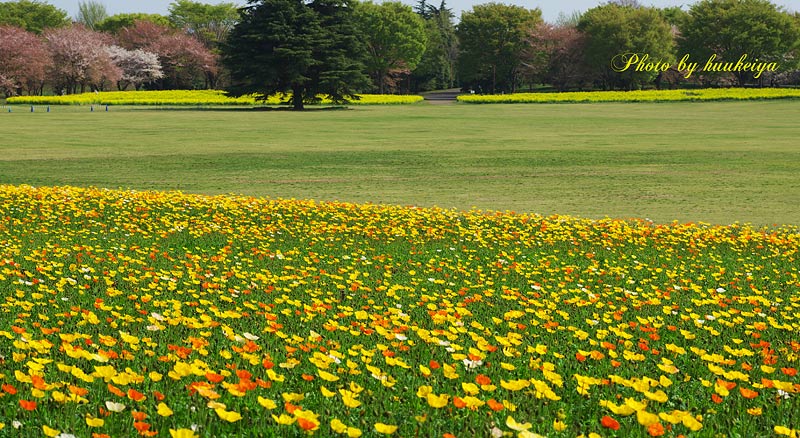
(732, 28)
(394, 37)
(115, 23)
(32, 15)
(437, 68)
(208, 23)
(91, 13)
(492, 40)
(614, 33)
(293, 46)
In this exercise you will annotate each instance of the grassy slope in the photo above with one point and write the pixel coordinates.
(717, 162)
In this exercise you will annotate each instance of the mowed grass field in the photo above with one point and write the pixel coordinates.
(717, 162)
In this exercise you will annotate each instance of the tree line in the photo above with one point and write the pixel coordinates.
(341, 47)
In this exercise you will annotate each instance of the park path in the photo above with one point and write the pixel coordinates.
(444, 97)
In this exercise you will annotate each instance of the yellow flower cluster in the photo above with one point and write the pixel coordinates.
(190, 97)
(160, 313)
(637, 96)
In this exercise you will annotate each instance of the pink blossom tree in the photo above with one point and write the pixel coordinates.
(24, 61)
(80, 60)
(138, 66)
(185, 61)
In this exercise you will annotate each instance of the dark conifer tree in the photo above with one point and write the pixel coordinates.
(294, 46)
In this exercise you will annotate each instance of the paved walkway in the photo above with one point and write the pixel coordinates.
(445, 97)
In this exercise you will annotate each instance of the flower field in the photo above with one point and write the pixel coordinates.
(637, 96)
(188, 97)
(165, 314)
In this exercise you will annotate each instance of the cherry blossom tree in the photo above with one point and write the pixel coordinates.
(24, 61)
(185, 61)
(138, 66)
(80, 60)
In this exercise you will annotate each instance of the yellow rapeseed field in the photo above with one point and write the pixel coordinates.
(189, 97)
(637, 96)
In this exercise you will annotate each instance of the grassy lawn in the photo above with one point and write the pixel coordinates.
(717, 162)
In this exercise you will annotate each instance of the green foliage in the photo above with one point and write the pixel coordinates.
(395, 39)
(117, 22)
(209, 23)
(674, 15)
(437, 68)
(91, 13)
(32, 15)
(613, 30)
(732, 28)
(492, 41)
(292, 46)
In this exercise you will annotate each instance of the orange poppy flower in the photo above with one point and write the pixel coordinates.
(141, 426)
(748, 393)
(38, 382)
(214, 377)
(609, 423)
(9, 389)
(116, 391)
(716, 399)
(290, 408)
(655, 429)
(306, 424)
(459, 402)
(495, 405)
(77, 390)
(27, 405)
(481, 379)
(135, 395)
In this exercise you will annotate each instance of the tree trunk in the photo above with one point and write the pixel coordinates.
(297, 97)
(494, 78)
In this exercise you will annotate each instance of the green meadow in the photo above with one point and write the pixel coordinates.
(716, 162)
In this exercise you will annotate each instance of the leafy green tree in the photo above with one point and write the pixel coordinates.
(394, 37)
(615, 32)
(674, 15)
(32, 15)
(115, 23)
(208, 23)
(492, 41)
(293, 46)
(91, 13)
(732, 28)
(437, 68)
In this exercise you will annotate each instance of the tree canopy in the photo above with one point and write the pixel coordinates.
(395, 39)
(293, 46)
(209, 23)
(732, 28)
(492, 41)
(613, 31)
(32, 15)
(115, 23)
(91, 13)
(437, 68)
